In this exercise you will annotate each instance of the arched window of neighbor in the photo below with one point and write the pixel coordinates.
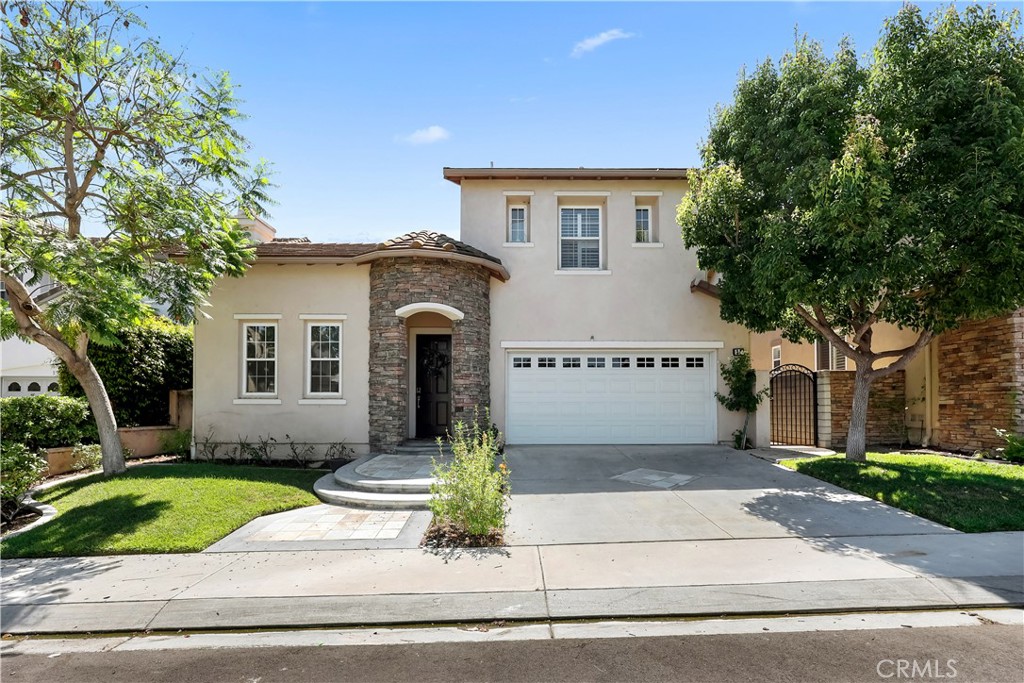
(13, 387)
(34, 386)
(52, 386)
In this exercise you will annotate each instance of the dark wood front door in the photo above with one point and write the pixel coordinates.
(433, 384)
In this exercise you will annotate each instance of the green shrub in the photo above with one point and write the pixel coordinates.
(471, 493)
(43, 421)
(86, 457)
(1014, 449)
(139, 371)
(743, 396)
(20, 469)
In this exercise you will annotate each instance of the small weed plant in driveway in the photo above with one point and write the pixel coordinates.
(470, 495)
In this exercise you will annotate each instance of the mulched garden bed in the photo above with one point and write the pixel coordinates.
(451, 536)
(23, 519)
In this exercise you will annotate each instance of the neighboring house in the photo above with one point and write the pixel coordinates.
(567, 309)
(953, 395)
(27, 368)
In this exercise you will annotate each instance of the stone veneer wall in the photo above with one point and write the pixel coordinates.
(981, 383)
(397, 282)
(886, 408)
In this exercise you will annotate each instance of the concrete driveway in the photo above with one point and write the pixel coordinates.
(622, 494)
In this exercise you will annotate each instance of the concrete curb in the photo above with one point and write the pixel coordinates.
(813, 597)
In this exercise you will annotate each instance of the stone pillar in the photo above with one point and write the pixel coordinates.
(398, 282)
(824, 409)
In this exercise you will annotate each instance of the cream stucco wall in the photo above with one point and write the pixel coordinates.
(644, 295)
(288, 291)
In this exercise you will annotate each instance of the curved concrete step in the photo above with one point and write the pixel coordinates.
(348, 476)
(330, 491)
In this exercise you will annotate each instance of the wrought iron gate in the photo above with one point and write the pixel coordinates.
(794, 405)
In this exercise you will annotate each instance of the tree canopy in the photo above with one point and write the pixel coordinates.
(837, 193)
(107, 133)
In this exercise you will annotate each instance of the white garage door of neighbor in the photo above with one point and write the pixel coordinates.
(625, 397)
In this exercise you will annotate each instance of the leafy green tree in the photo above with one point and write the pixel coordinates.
(836, 195)
(104, 130)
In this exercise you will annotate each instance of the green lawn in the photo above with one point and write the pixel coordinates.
(160, 509)
(967, 495)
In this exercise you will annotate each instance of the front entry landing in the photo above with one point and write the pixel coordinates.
(433, 385)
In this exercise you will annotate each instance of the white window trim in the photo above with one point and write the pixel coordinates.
(322, 402)
(582, 193)
(647, 194)
(261, 322)
(774, 359)
(319, 396)
(323, 316)
(518, 193)
(256, 401)
(600, 239)
(526, 223)
(650, 223)
(258, 316)
(582, 271)
(517, 244)
(648, 245)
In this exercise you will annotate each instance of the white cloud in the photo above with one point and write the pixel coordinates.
(425, 136)
(593, 42)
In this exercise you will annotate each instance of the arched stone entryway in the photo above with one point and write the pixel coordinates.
(403, 290)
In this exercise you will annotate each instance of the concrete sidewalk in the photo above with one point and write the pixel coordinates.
(536, 582)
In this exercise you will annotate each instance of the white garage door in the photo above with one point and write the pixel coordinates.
(593, 397)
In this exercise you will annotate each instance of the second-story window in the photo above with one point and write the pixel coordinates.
(579, 237)
(643, 224)
(517, 223)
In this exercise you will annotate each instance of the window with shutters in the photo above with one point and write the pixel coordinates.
(579, 231)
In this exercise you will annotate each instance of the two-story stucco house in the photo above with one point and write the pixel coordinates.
(566, 308)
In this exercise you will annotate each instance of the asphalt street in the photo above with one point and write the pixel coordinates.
(988, 653)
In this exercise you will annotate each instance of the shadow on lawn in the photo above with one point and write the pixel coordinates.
(91, 525)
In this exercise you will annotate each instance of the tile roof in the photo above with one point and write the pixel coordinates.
(295, 248)
(434, 241)
(422, 242)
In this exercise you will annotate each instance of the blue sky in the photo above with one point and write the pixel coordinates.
(359, 106)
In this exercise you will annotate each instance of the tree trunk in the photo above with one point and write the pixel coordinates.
(96, 393)
(32, 326)
(856, 437)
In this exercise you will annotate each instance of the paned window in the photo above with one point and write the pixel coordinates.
(546, 362)
(694, 362)
(645, 362)
(670, 362)
(571, 362)
(260, 359)
(522, 362)
(579, 238)
(323, 367)
(643, 224)
(595, 362)
(517, 224)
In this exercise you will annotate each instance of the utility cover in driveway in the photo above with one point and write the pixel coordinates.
(610, 397)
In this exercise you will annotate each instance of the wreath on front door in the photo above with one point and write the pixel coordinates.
(435, 362)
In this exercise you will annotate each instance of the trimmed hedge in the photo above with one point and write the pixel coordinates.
(46, 421)
(139, 372)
